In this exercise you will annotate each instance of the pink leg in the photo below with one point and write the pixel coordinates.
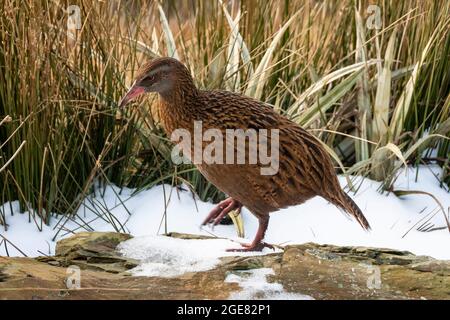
(220, 211)
(257, 244)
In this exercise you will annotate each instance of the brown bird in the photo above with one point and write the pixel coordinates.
(304, 171)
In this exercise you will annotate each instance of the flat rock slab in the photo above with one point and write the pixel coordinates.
(320, 271)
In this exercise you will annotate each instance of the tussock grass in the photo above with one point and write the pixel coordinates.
(378, 98)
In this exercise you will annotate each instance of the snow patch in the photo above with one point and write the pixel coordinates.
(255, 286)
(162, 256)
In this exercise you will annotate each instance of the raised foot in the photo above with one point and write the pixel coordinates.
(221, 210)
(252, 247)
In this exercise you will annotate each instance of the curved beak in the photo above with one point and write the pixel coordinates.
(131, 94)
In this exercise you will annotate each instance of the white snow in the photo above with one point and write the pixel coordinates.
(315, 221)
(167, 257)
(255, 286)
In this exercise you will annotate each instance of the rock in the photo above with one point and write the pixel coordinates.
(3, 276)
(92, 250)
(320, 271)
(434, 266)
(331, 272)
(25, 278)
(378, 256)
(90, 241)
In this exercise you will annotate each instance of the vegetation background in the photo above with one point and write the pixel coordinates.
(370, 78)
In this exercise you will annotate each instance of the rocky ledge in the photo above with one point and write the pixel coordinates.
(320, 271)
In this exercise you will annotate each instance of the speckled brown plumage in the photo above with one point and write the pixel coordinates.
(305, 168)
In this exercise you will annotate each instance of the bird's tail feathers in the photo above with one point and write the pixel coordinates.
(350, 207)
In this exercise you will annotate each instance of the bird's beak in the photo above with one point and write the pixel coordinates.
(131, 94)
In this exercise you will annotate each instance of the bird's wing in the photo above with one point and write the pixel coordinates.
(304, 166)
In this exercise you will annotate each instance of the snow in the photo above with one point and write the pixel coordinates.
(168, 257)
(255, 286)
(315, 221)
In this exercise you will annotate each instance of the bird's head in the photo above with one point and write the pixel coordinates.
(161, 75)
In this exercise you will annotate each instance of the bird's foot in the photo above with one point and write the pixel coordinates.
(221, 210)
(249, 247)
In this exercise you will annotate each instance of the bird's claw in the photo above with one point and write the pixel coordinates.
(220, 211)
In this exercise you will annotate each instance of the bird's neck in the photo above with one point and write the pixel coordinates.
(178, 106)
(180, 94)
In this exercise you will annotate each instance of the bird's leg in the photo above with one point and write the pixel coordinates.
(257, 244)
(220, 211)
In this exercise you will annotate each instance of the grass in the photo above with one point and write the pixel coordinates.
(378, 98)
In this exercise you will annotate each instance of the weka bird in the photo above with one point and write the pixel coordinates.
(305, 168)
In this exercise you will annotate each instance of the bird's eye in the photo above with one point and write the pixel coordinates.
(150, 78)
